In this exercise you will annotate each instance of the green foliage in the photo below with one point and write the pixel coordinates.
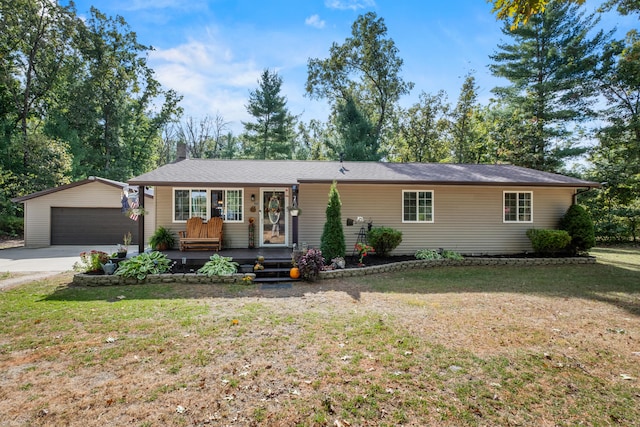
(433, 254)
(270, 136)
(144, 264)
(518, 12)
(577, 222)
(11, 226)
(384, 239)
(452, 255)
(466, 140)
(310, 264)
(550, 67)
(332, 243)
(367, 67)
(162, 236)
(91, 261)
(548, 241)
(219, 266)
(356, 133)
(421, 130)
(428, 254)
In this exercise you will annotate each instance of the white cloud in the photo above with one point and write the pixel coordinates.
(315, 21)
(208, 76)
(349, 4)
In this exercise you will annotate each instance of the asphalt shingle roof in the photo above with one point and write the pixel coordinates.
(288, 172)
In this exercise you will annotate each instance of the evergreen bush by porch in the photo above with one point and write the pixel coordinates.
(332, 242)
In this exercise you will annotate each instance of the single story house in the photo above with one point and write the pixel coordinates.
(87, 212)
(469, 208)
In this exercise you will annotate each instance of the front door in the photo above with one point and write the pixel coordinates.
(274, 222)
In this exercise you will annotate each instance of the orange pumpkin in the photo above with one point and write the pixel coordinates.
(294, 273)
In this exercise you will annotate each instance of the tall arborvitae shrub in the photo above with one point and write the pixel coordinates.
(577, 222)
(332, 242)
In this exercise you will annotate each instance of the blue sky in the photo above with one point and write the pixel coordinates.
(212, 52)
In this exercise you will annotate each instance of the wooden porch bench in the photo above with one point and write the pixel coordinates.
(201, 235)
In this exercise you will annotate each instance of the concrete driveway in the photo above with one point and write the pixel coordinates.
(53, 259)
(39, 263)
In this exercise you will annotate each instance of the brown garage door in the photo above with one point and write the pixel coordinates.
(90, 226)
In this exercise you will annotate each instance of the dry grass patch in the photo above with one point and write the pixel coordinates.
(452, 346)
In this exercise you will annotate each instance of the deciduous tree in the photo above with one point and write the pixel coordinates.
(365, 67)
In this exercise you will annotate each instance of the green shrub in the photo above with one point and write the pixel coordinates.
(144, 264)
(452, 255)
(432, 254)
(548, 241)
(219, 266)
(11, 226)
(384, 239)
(428, 254)
(577, 222)
(332, 244)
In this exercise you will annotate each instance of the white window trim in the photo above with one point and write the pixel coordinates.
(433, 207)
(517, 220)
(208, 195)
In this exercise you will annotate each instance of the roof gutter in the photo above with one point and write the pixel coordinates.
(583, 190)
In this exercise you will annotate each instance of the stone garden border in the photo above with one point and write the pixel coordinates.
(193, 278)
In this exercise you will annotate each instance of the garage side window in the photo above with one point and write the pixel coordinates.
(518, 206)
(417, 206)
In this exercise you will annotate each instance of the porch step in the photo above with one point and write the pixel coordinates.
(276, 270)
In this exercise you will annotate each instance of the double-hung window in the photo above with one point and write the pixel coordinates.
(518, 206)
(207, 203)
(417, 206)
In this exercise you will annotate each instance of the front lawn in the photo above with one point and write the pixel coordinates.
(530, 346)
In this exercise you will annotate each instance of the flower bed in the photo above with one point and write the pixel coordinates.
(104, 280)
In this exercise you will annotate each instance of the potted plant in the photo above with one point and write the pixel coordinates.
(294, 210)
(162, 239)
(124, 247)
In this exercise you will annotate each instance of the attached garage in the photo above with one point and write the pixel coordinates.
(82, 213)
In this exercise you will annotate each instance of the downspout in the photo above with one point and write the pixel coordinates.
(579, 191)
(141, 197)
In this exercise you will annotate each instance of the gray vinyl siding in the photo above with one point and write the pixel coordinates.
(37, 211)
(468, 219)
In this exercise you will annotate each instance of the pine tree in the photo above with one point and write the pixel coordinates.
(549, 66)
(332, 242)
(271, 135)
(356, 134)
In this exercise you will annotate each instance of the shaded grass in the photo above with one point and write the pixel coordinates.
(446, 346)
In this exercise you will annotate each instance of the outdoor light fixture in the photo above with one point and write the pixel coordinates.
(253, 197)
